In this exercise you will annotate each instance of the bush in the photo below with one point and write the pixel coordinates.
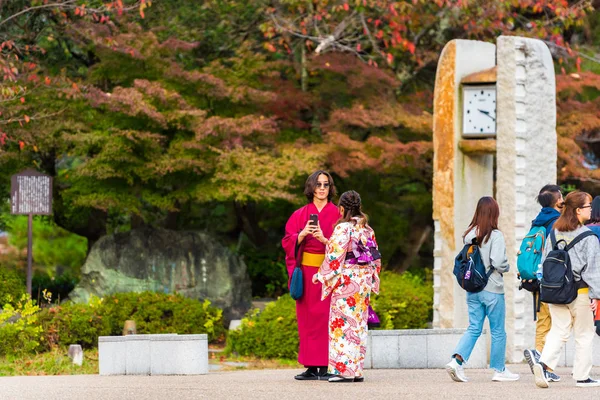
(73, 323)
(272, 333)
(405, 302)
(20, 330)
(12, 286)
(163, 313)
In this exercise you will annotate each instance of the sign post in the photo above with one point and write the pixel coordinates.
(30, 194)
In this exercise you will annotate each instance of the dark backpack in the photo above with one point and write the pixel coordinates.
(558, 284)
(470, 270)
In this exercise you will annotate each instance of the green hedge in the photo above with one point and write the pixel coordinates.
(405, 302)
(272, 333)
(72, 323)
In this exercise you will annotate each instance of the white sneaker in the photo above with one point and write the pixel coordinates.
(540, 376)
(505, 376)
(456, 371)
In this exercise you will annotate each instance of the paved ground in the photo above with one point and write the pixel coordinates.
(279, 384)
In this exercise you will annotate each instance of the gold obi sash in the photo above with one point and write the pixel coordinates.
(312, 259)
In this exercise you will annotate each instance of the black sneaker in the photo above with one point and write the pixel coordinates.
(587, 383)
(308, 375)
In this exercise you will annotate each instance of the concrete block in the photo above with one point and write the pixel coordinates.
(412, 351)
(179, 355)
(111, 351)
(420, 348)
(137, 355)
(385, 349)
(169, 354)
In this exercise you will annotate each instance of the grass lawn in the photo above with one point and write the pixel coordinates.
(57, 362)
(54, 362)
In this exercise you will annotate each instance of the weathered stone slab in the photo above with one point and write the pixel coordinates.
(190, 263)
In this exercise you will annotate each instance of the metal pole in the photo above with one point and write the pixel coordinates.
(29, 253)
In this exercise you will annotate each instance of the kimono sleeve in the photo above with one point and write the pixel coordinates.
(335, 255)
(290, 243)
(376, 266)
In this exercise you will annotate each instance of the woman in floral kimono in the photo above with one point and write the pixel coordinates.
(350, 272)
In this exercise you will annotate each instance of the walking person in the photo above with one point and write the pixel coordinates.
(349, 273)
(551, 199)
(570, 235)
(490, 301)
(304, 244)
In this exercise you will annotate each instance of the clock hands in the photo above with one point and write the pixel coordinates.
(486, 113)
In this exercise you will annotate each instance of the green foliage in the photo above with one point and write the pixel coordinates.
(404, 302)
(267, 272)
(20, 330)
(12, 286)
(52, 245)
(153, 313)
(272, 333)
(58, 286)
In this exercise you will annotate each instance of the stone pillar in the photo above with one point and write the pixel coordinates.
(526, 161)
(459, 179)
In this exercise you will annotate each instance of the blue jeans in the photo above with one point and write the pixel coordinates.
(481, 305)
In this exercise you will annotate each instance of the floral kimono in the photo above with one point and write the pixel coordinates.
(349, 273)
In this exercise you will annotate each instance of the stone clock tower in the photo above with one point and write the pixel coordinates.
(494, 135)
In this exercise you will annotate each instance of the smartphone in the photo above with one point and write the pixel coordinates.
(314, 218)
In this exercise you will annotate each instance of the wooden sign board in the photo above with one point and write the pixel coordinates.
(31, 193)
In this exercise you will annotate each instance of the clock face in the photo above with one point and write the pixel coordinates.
(479, 110)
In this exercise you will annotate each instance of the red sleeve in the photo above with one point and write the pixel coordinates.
(290, 242)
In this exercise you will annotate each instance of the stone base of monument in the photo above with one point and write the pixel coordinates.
(169, 354)
(420, 348)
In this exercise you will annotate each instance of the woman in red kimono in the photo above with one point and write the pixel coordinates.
(306, 242)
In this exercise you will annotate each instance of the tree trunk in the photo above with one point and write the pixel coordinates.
(304, 71)
(414, 250)
(248, 223)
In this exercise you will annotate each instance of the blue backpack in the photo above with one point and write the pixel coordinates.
(530, 252)
(469, 269)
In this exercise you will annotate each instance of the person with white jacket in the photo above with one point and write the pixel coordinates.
(490, 301)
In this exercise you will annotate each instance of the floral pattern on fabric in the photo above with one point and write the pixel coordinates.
(350, 282)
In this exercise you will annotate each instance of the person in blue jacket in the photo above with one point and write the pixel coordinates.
(552, 202)
(594, 222)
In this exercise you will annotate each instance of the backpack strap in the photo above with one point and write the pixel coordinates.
(553, 238)
(578, 239)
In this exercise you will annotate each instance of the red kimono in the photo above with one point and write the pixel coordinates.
(311, 311)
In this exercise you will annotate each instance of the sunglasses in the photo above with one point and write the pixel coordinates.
(323, 185)
(588, 206)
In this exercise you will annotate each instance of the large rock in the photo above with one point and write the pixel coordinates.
(191, 263)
